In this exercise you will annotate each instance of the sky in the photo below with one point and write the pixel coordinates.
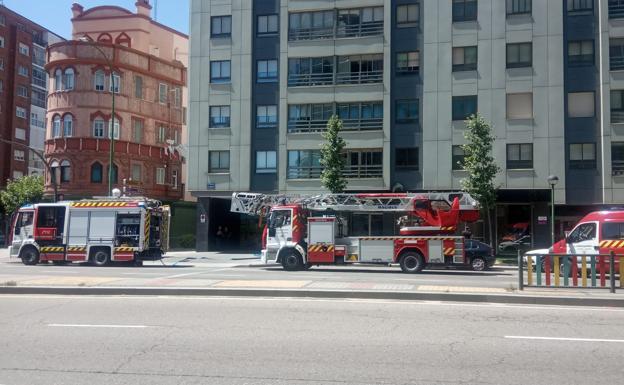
(55, 15)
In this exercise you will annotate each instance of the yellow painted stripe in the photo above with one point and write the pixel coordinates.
(608, 244)
(529, 273)
(584, 271)
(621, 272)
(556, 268)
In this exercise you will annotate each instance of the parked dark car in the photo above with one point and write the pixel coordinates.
(481, 255)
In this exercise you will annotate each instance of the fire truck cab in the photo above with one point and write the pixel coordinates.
(97, 231)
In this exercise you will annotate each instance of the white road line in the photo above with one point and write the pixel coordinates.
(98, 326)
(60, 271)
(183, 275)
(562, 339)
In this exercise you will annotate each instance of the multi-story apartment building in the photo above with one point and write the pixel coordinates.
(148, 63)
(404, 75)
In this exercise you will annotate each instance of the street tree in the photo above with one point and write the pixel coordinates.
(332, 160)
(27, 189)
(480, 165)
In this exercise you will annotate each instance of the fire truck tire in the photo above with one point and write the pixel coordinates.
(478, 264)
(29, 256)
(412, 262)
(100, 257)
(292, 261)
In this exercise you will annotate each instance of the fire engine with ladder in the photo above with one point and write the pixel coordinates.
(303, 231)
(99, 231)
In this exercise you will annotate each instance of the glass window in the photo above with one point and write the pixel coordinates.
(138, 87)
(116, 83)
(407, 15)
(266, 162)
(69, 79)
(406, 111)
(161, 134)
(137, 130)
(116, 128)
(359, 69)
(458, 156)
(22, 91)
(616, 54)
(311, 25)
(58, 80)
(219, 161)
(39, 77)
(304, 164)
(464, 107)
(519, 7)
(38, 98)
(160, 175)
(219, 116)
(96, 172)
(583, 232)
(56, 126)
(310, 71)
(580, 6)
(581, 104)
(268, 24)
(65, 171)
(519, 55)
(583, 156)
(68, 126)
(162, 93)
(1, 41)
(408, 62)
(581, 53)
(98, 80)
(115, 173)
(22, 71)
(99, 128)
(520, 156)
(612, 230)
(136, 170)
(220, 26)
(406, 158)
(464, 10)
(617, 158)
(24, 49)
(464, 58)
(18, 155)
(266, 71)
(520, 106)
(266, 116)
(617, 106)
(220, 71)
(20, 112)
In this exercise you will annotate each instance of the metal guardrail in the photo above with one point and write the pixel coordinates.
(359, 77)
(551, 270)
(312, 79)
(364, 124)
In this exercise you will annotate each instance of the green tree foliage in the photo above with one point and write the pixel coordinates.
(332, 160)
(27, 189)
(480, 165)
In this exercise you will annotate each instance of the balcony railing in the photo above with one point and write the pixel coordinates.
(304, 172)
(364, 124)
(359, 77)
(616, 9)
(363, 171)
(616, 63)
(310, 33)
(295, 126)
(360, 30)
(316, 79)
(617, 116)
(307, 126)
(617, 167)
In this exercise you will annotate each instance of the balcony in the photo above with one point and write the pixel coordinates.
(359, 77)
(374, 28)
(363, 171)
(363, 124)
(304, 172)
(310, 33)
(303, 125)
(314, 79)
(616, 9)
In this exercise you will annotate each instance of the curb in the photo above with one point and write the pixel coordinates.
(335, 294)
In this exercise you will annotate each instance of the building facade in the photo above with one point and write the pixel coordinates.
(404, 75)
(143, 64)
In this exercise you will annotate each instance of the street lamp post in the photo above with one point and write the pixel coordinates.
(111, 128)
(552, 181)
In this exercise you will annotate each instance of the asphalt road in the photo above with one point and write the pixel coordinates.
(164, 340)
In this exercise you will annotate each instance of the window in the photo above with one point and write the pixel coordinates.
(310, 71)
(115, 173)
(304, 164)
(174, 179)
(1, 41)
(583, 232)
(23, 49)
(39, 77)
(617, 158)
(580, 6)
(162, 93)
(38, 56)
(581, 53)
(58, 80)
(160, 175)
(616, 54)
(464, 107)
(266, 116)
(407, 15)
(360, 69)
(309, 117)
(56, 126)
(65, 171)
(219, 116)
(363, 164)
(116, 83)
(616, 9)
(266, 162)
(2, 19)
(2, 66)
(96, 172)
(137, 130)
(115, 127)
(68, 126)
(22, 71)
(20, 112)
(361, 116)
(457, 157)
(219, 161)
(138, 87)
(583, 156)
(220, 71)
(17, 174)
(161, 134)
(520, 106)
(360, 22)
(408, 62)
(18, 155)
(136, 170)
(581, 104)
(518, 7)
(69, 79)
(36, 121)
(98, 80)
(617, 106)
(99, 128)
(612, 230)
(464, 58)
(519, 55)
(311, 25)
(406, 158)
(406, 111)
(22, 91)
(220, 26)
(519, 156)
(464, 10)
(177, 96)
(267, 71)
(38, 98)
(268, 24)
(20, 134)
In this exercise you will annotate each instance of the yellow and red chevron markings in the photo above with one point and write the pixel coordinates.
(449, 251)
(616, 243)
(81, 249)
(324, 248)
(51, 249)
(124, 249)
(102, 204)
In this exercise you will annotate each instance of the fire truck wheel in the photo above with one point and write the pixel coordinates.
(30, 256)
(478, 264)
(292, 261)
(412, 262)
(100, 258)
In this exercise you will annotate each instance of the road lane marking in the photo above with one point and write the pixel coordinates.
(184, 275)
(563, 339)
(98, 326)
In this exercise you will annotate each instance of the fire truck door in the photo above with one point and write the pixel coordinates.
(22, 231)
(280, 228)
(583, 240)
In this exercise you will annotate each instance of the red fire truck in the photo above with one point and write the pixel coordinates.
(95, 230)
(360, 228)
